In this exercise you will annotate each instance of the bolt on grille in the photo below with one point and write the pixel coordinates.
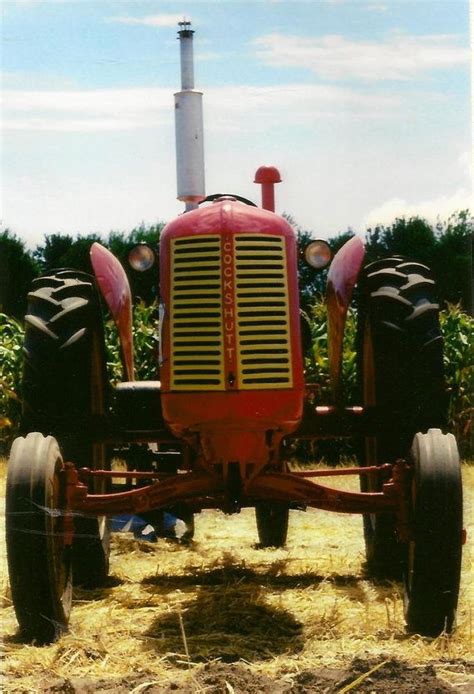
(196, 314)
(261, 294)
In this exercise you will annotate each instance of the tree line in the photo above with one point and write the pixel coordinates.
(445, 247)
(19, 265)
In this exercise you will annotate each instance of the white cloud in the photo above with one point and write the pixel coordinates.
(25, 3)
(399, 57)
(206, 55)
(376, 7)
(151, 20)
(431, 209)
(86, 110)
(237, 108)
(466, 164)
(81, 205)
(30, 80)
(244, 108)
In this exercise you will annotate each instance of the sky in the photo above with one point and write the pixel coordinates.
(363, 105)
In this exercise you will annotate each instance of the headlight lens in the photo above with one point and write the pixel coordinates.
(318, 254)
(142, 257)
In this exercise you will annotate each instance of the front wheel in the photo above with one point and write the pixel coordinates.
(39, 560)
(433, 558)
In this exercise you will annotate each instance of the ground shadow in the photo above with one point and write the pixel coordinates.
(228, 622)
(225, 575)
(86, 594)
(244, 598)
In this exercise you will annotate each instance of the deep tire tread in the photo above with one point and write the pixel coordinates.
(64, 370)
(398, 302)
(410, 310)
(59, 321)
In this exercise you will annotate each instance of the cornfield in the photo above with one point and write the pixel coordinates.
(457, 327)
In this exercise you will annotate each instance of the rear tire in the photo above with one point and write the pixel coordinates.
(433, 559)
(400, 354)
(65, 392)
(39, 561)
(272, 523)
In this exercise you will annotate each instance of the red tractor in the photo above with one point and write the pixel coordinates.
(231, 395)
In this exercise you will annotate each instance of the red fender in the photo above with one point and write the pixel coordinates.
(115, 288)
(342, 277)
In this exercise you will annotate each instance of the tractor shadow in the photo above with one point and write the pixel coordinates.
(229, 622)
(84, 593)
(272, 578)
(233, 612)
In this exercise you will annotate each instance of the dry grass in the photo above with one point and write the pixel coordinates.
(170, 608)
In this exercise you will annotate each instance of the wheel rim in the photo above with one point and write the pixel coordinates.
(409, 556)
(59, 553)
(369, 400)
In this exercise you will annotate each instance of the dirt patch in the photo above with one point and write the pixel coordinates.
(363, 677)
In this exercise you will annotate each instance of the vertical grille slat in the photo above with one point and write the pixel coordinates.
(197, 361)
(263, 339)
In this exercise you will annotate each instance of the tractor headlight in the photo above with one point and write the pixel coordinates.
(318, 254)
(141, 257)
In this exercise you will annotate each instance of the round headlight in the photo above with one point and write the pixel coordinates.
(318, 254)
(141, 257)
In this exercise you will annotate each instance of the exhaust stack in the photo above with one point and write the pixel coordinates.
(189, 127)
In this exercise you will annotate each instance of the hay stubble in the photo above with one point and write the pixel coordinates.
(169, 608)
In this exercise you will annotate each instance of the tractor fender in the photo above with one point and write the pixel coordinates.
(115, 288)
(342, 278)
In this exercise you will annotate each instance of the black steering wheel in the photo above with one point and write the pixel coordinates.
(216, 196)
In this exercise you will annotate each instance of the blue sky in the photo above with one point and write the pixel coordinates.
(363, 105)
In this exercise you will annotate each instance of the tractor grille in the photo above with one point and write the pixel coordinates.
(261, 313)
(196, 314)
(263, 339)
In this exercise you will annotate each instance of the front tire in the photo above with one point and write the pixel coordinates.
(65, 392)
(433, 558)
(39, 560)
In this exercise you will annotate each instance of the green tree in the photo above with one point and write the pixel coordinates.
(445, 248)
(144, 285)
(312, 283)
(413, 238)
(452, 261)
(65, 252)
(17, 269)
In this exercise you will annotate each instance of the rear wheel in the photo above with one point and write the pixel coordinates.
(39, 560)
(400, 358)
(433, 558)
(272, 523)
(65, 390)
